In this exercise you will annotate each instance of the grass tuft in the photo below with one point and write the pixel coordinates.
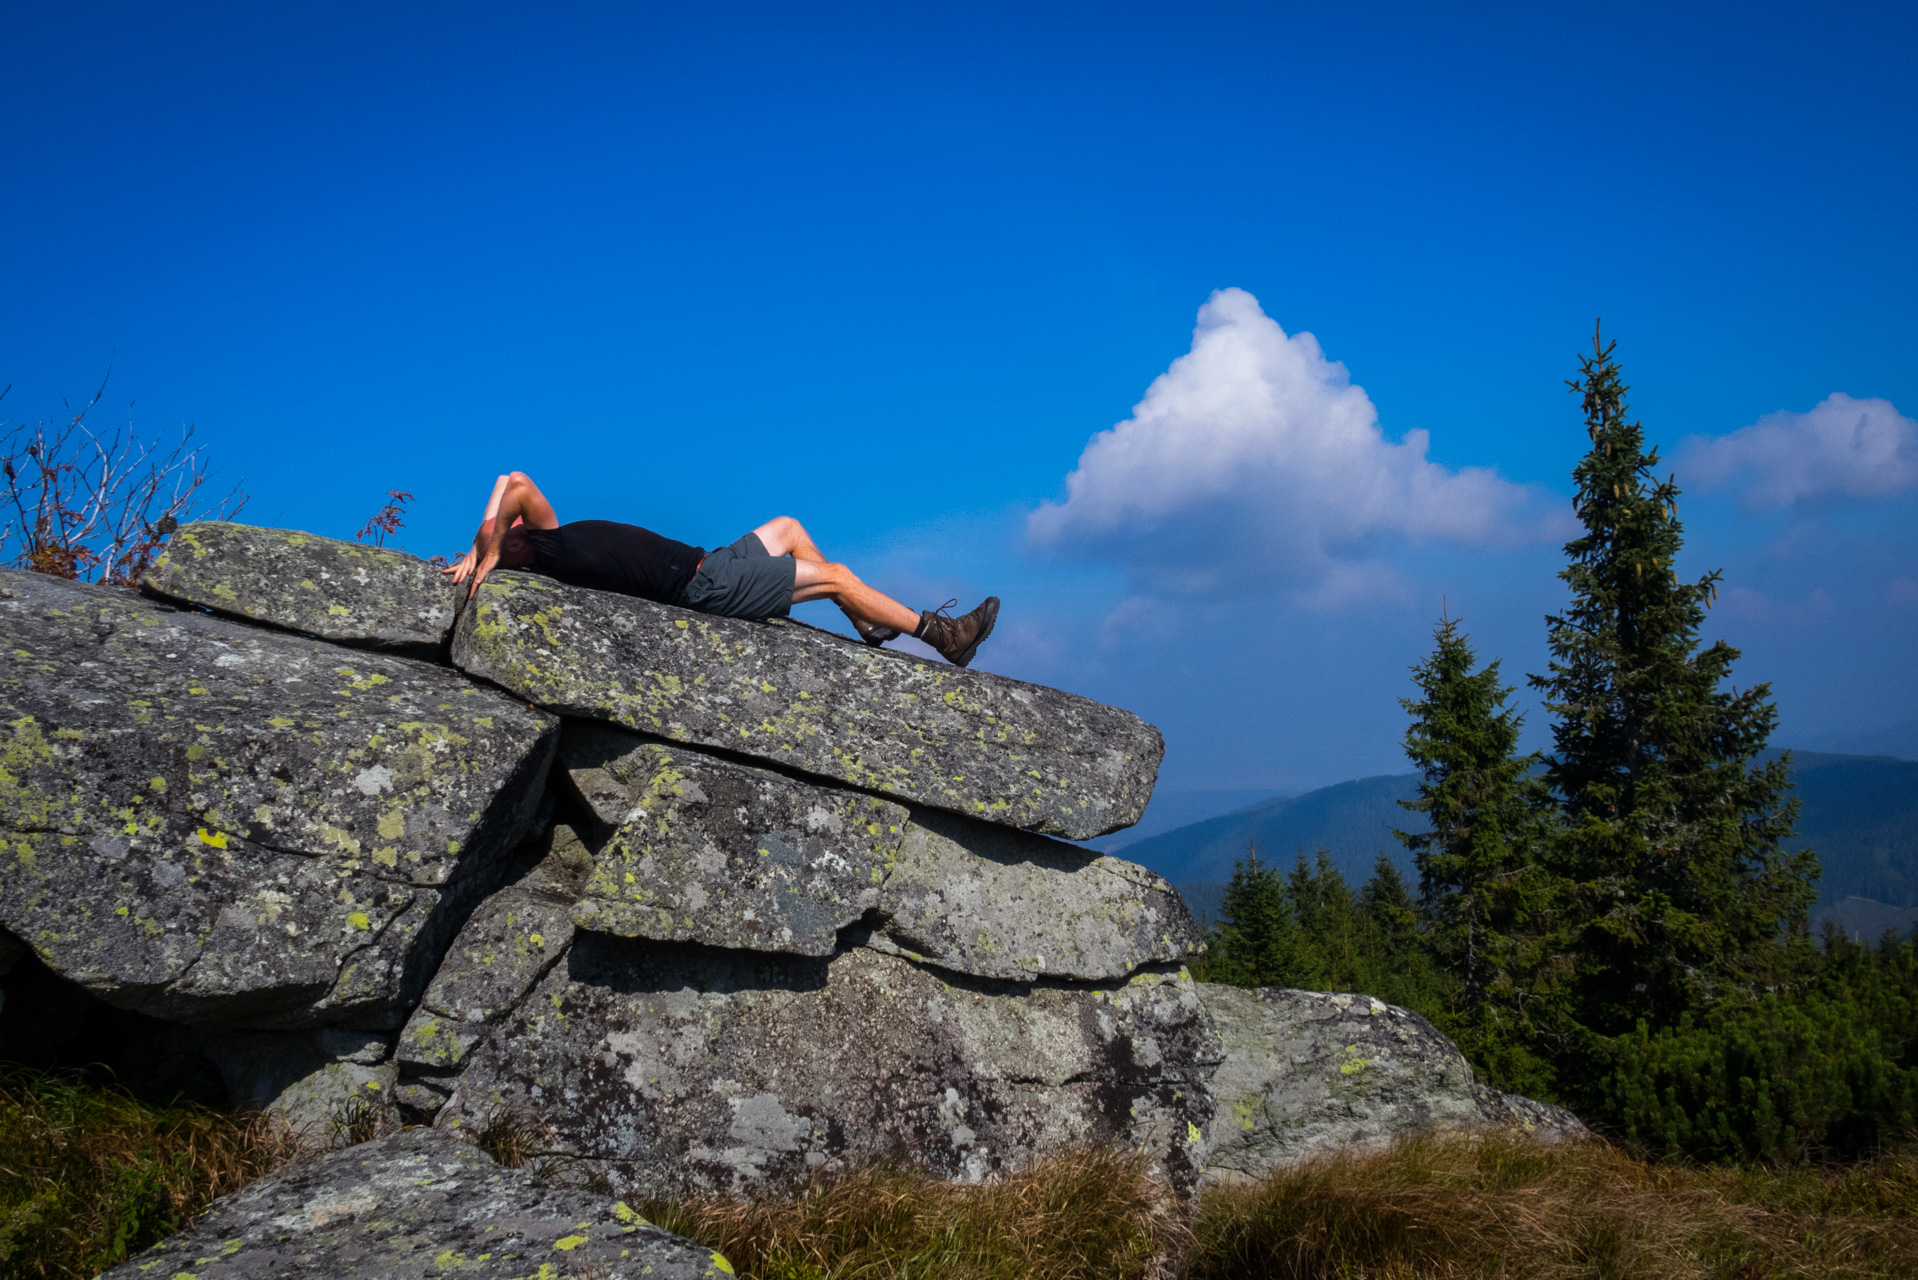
(1450, 1207)
(90, 1176)
(1089, 1215)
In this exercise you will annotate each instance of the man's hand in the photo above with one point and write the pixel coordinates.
(481, 560)
(461, 567)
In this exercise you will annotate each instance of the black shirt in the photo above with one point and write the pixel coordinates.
(608, 556)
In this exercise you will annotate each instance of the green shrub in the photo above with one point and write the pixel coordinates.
(1824, 1070)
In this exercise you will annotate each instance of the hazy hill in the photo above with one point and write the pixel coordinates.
(1860, 813)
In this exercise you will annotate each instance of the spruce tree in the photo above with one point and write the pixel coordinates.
(1489, 899)
(1483, 808)
(1257, 943)
(1671, 829)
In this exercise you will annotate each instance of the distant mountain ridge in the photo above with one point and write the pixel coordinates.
(1859, 812)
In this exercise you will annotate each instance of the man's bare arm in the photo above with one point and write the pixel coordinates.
(515, 499)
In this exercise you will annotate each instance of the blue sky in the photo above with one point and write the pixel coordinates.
(893, 269)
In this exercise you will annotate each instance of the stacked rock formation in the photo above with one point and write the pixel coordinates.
(707, 904)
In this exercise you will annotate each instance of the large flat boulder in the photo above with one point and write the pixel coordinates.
(1011, 753)
(705, 850)
(216, 823)
(419, 1203)
(346, 592)
(1308, 1073)
(985, 900)
(674, 1070)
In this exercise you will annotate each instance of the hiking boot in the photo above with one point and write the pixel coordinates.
(957, 639)
(872, 632)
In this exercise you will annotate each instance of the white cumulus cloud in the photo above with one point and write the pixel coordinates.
(1843, 448)
(1254, 457)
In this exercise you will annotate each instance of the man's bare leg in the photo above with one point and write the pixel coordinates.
(817, 578)
(824, 580)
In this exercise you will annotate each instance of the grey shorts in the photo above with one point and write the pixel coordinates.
(743, 581)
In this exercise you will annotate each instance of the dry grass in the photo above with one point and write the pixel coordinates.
(1085, 1216)
(90, 1176)
(1453, 1207)
(1442, 1208)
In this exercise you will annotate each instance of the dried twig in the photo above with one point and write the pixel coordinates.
(95, 507)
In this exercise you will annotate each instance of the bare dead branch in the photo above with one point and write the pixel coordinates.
(98, 507)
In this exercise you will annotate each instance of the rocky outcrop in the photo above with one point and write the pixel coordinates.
(346, 592)
(784, 903)
(674, 1070)
(1009, 753)
(213, 823)
(417, 1204)
(1307, 1073)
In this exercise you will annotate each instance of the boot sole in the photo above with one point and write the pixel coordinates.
(992, 620)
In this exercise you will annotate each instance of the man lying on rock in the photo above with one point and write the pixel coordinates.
(763, 575)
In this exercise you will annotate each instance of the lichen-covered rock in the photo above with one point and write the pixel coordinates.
(321, 1083)
(215, 823)
(419, 1203)
(1540, 1121)
(1014, 754)
(673, 1070)
(504, 948)
(1307, 1072)
(705, 850)
(346, 592)
(998, 903)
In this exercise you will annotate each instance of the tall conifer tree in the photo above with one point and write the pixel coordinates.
(1671, 830)
(1486, 894)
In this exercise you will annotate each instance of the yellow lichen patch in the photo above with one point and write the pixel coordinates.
(358, 920)
(211, 839)
(569, 1243)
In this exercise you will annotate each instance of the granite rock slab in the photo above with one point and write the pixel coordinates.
(1540, 1121)
(216, 823)
(1308, 1073)
(1015, 754)
(675, 1070)
(504, 949)
(346, 592)
(418, 1203)
(986, 900)
(709, 851)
